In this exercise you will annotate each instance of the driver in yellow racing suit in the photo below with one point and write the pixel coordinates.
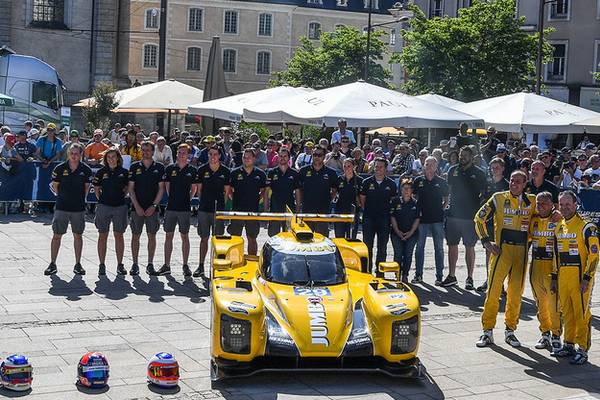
(512, 212)
(575, 259)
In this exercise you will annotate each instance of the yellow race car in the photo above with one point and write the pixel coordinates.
(307, 302)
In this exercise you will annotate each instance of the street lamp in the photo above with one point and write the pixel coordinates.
(400, 15)
(538, 64)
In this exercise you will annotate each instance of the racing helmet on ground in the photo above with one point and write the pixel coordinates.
(16, 373)
(92, 370)
(163, 370)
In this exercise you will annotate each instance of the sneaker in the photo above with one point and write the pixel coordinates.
(78, 269)
(404, 279)
(135, 270)
(555, 345)
(101, 270)
(568, 350)
(450, 281)
(579, 358)
(469, 284)
(511, 339)
(164, 270)
(417, 279)
(482, 288)
(438, 282)
(487, 339)
(544, 342)
(150, 269)
(121, 269)
(187, 272)
(198, 272)
(51, 270)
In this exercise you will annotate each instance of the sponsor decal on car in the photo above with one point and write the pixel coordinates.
(318, 321)
(314, 291)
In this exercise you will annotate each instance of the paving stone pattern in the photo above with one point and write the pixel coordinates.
(55, 320)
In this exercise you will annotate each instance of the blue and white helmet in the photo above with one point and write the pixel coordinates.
(16, 373)
(163, 370)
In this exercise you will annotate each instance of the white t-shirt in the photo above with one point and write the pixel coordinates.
(592, 172)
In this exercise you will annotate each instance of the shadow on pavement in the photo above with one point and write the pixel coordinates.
(163, 390)
(72, 290)
(556, 371)
(12, 394)
(118, 289)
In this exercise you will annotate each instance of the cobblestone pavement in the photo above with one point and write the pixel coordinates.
(55, 320)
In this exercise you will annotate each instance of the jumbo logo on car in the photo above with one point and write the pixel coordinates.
(318, 321)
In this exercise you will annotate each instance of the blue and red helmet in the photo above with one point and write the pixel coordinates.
(16, 373)
(163, 370)
(92, 370)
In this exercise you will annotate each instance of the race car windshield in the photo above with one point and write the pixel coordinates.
(303, 269)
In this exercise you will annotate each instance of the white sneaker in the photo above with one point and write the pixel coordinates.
(556, 345)
(511, 339)
(544, 342)
(486, 339)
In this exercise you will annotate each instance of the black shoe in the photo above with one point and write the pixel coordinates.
(121, 269)
(135, 270)
(78, 269)
(482, 288)
(164, 270)
(150, 270)
(469, 284)
(101, 270)
(450, 281)
(51, 270)
(199, 272)
(187, 272)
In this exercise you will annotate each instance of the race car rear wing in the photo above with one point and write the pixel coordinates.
(269, 216)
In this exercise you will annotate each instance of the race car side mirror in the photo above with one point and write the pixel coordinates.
(391, 266)
(221, 265)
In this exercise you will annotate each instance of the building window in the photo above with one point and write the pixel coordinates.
(463, 4)
(392, 37)
(265, 24)
(229, 60)
(559, 9)
(314, 1)
(150, 55)
(374, 4)
(436, 8)
(556, 69)
(230, 24)
(263, 63)
(195, 20)
(49, 13)
(342, 3)
(151, 20)
(194, 58)
(314, 30)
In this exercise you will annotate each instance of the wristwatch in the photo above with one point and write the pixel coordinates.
(154, 205)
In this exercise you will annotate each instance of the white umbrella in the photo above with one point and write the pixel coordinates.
(439, 99)
(528, 112)
(231, 108)
(164, 96)
(591, 125)
(361, 104)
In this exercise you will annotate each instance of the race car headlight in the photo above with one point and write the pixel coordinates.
(235, 335)
(404, 335)
(279, 342)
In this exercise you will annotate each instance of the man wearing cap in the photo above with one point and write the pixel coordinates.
(509, 163)
(539, 184)
(95, 150)
(71, 182)
(336, 136)
(49, 147)
(208, 141)
(305, 158)
(402, 164)
(25, 149)
(489, 147)
(594, 169)
(8, 154)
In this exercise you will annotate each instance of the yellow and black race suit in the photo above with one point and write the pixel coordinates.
(511, 216)
(576, 256)
(540, 274)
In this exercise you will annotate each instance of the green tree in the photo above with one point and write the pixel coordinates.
(339, 59)
(481, 53)
(97, 112)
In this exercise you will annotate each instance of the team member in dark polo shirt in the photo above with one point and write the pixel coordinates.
(71, 183)
(319, 186)
(432, 196)
(467, 185)
(348, 199)
(213, 186)
(285, 191)
(376, 194)
(146, 189)
(405, 215)
(110, 186)
(539, 183)
(247, 186)
(180, 184)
